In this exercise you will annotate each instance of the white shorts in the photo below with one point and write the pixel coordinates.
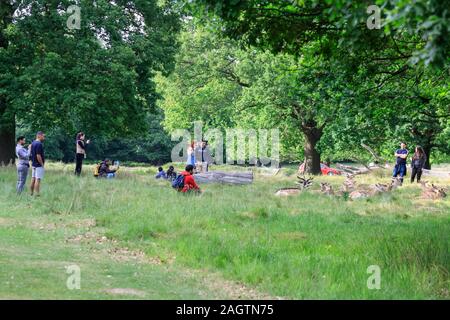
(37, 172)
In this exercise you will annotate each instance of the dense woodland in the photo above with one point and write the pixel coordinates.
(136, 70)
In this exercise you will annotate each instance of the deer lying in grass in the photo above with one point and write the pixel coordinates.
(349, 184)
(326, 188)
(365, 191)
(302, 183)
(430, 191)
(395, 183)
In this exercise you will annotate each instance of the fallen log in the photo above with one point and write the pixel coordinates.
(352, 170)
(224, 177)
(435, 173)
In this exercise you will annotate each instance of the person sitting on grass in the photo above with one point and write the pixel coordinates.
(105, 170)
(161, 174)
(188, 184)
(171, 174)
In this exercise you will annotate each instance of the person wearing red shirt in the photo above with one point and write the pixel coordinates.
(189, 182)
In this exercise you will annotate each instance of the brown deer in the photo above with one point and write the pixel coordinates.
(378, 188)
(326, 188)
(302, 183)
(395, 183)
(432, 192)
(349, 184)
(287, 192)
(359, 194)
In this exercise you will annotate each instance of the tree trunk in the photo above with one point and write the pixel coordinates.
(312, 156)
(7, 121)
(427, 149)
(7, 135)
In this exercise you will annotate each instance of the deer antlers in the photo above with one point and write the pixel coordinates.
(304, 183)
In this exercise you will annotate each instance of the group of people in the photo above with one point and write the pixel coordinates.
(199, 155)
(34, 154)
(170, 174)
(103, 170)
(418, 161)
(183, 182)
(198, 160)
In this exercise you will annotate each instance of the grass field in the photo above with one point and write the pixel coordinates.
(135, 238)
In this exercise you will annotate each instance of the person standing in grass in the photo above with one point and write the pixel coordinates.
(400, 166)
(189, 181)
(80, 152)
(191, 154)
(417, 163)
(205, 155)
(37, 163)
(23, 164)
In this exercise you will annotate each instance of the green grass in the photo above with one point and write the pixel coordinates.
(308, 246)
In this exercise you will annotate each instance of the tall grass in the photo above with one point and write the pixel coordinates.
(306, 246)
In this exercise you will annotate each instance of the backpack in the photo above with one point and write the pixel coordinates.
(178, 183)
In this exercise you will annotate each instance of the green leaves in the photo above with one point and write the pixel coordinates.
(287, 26)
(98, 78)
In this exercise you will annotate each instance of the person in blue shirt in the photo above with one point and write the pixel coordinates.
(37, 159)
(191, 154)
(161, 174)
(400, 163)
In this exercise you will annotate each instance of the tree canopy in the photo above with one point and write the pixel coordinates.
(322, 71)
(97, 79)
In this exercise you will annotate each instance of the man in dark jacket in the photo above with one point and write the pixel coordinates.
(105, 170)
(417, 163)
(203, 156)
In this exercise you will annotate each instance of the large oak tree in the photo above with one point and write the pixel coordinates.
(98, 78)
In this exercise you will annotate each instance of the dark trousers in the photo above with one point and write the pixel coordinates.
(416, 171)
(79, 163)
